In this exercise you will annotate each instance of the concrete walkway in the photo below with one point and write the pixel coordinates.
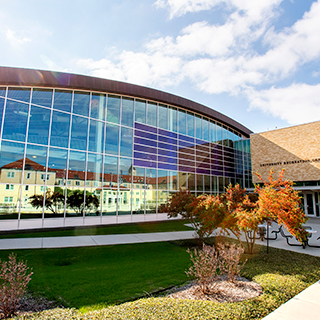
(305, 305)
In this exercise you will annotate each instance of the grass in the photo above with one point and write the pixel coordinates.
(94, 277)
(142, 227)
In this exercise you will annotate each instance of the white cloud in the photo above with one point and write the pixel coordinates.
(298, 103)
(14, 39)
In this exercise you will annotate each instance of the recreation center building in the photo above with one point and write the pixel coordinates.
(91, 151)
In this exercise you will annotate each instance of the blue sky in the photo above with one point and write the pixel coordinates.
(256, 61)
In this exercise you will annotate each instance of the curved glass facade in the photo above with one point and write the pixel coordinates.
(85, 153)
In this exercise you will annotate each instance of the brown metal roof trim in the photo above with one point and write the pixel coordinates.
(29, 77)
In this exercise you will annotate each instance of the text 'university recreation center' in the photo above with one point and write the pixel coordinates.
(78, 150)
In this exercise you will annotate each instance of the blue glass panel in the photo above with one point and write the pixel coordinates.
(127, 112)
(185, 144)
(77, 165)
(163, 116)
(62, 100)
(112, 139)
(15, 121)
(198, 122)
(163, 179)
(42, 97)
(218, 133)
(213, 134)
(1, 111)
(11, 157)
(58, 163)
(145, 135)
(96, 136)
(98, 106)
(167, 133)
(60, 129)
(2, 91)
(39, 125)
(36, 160)
(167, 146)
(167, 140)
(138, 147)
(172, 119)
(21, 94)
(205, 129)
(167, 166)
(145, 142)
(145, 156)
(113, 109)
(94, 171)
(79, 133)
(81, 102)
(186, 169)
(167, 153)
(190, 124)
(145, 127)
(173, 180)
(182, 122)
(152, 114)
(110, 176)
(125, 169)
(185, 138)
(201, 142)
(144, 163)
(203, 171)
(126, 142)
(167, 159)
(140, 111)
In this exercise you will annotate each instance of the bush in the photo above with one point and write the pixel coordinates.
(14, 279)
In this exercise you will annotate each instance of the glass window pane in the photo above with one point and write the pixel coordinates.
(198, 127)
(60, 129)
(213, 136)
(94, 172)
(163, 179)
(39, 125)
(112, 139)
(126, 142)
(190, 124)
(77, 165)
(96, 136)
(1, 112)
(79, 133)
(22, 94)
(152, 114)
(191, 181)
(182, 122)
(110, 177)
(42, 97)
(35, 164)
(205, 128)
(81, 103)
(2, 91)
(173, 119)
(98, 105)
(62, 100)
(219, 133)
(126, 170)
(15, 121)
(139, 178)
(113, 109)
(173, 180)
(182, 179)
(163, 116)
(151, 179)
(140, 111)
(127, 112)
(199, 182)
(57, 164)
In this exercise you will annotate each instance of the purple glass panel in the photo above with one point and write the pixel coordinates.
(227, 174)
(146, 156)
(202, 154)
(186, 169)
(142, 163)
(167, 166)
(167, 153)
(167, 140)
(216, 167)
(185, 138)
(203, 148)
(145, 135)
(138, 147)
(217, 173)
(167, 160)
(186, 156)
(145, 142)
(185, 144)
(198, 170)
(203, 165)
(167, 133)
(186, 150)
(145, 127)
(186, 163)
(167, 146)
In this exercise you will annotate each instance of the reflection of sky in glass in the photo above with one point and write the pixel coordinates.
(39, 125)
(62, 100)
(22, 94)
(81, 103)
(42, 97)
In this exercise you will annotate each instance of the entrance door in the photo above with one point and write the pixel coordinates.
(309, 204)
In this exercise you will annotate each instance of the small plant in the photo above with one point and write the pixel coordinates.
(230, 256)
(205, 267)
(14, 278)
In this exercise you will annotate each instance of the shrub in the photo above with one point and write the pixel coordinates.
(14, 278)
(205, 266)
(230, 255)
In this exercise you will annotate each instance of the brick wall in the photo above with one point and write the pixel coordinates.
(297, 149)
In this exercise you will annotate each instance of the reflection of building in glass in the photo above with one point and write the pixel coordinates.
(128, 146)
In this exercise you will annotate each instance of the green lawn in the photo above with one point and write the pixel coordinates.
(142, 227)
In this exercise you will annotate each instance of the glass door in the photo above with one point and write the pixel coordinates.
(309, 204)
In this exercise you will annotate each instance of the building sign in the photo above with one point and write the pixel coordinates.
(281, 163)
